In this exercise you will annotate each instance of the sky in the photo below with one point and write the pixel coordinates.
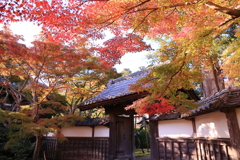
(131, 60)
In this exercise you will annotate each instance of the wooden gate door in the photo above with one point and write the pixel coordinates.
(124, 136)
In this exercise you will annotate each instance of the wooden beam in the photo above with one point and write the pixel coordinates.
(115, 101)
(234, 130)
(119, 109)
(153, 140)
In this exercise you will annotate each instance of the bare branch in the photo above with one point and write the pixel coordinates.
(143, 20)
(142, 3)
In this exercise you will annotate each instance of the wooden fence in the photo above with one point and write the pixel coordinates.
(194, 149)
(168, 149)
(75, 148)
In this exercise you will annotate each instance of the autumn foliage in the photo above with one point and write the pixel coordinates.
(185, 29)
(198, 39)
(199, 42)
(51, 79)
(154, 106)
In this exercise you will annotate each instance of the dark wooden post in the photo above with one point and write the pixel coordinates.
(146, 135)
(153, 141)
(93, 131)
(194, 128)
(112, 137)
(234, 131)
(132, 135)
(195, 152)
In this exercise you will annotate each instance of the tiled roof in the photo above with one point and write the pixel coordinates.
(117, 87)
(227, 98)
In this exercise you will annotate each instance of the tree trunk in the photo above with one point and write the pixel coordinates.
(38, 146)
(213, 81)
(234, 131)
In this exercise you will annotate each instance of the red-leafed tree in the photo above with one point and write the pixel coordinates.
(191, 27)
(71, 21)
(86, 83)
(199, 42)
(66, 45)
(33, 76)
(49, 64)
(189, 32)
(40, 71)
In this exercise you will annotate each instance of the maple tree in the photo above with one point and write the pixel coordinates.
(188, 32)
(36, 76)
(86, 83)
(47, 65)
(64, 47)
(71, 21)
(189, 27)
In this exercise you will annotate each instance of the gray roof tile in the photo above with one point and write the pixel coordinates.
(227, 98)
(117, 87)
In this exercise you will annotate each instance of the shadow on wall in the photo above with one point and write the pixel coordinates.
(212, 125)
(210, 130)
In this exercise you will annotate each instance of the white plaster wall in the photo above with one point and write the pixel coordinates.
(101, 131)
(175, 128)
(212, 125)
(77, 131)
(50, 134)
(238, 115)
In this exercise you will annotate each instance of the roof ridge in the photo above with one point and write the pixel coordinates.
(226, 91)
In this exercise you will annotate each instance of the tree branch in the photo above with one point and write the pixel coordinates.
(171, 78)
(24, 85)
(232, 12)
(143, 19)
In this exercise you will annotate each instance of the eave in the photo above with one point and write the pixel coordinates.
(127, 99)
